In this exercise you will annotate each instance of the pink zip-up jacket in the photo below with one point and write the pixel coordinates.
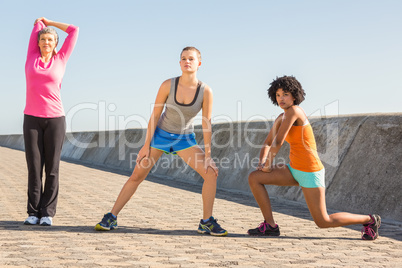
(44, 81)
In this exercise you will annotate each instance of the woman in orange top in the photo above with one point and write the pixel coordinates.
(305, 168)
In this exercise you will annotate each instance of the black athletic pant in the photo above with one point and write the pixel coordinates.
(43, 139)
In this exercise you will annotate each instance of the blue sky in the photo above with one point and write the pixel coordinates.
(347, 55)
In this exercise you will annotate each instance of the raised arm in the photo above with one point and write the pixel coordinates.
(69, 42)
(33, 40)
(71, 39)
(62, 26)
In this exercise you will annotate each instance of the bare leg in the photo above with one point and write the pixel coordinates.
(315, 199)
(280, 176)
(139, 174)
(195, 158)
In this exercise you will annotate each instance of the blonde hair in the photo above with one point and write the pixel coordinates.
(192, 49)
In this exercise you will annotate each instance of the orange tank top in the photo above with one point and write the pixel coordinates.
(303, 150)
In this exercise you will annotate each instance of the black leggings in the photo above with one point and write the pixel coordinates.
(43, 139)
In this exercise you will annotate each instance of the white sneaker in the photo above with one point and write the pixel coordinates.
(31, 220)
(46, 221)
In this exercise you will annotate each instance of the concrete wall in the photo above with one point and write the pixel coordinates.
(362, 155)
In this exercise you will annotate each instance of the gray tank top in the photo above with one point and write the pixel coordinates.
(178, 118)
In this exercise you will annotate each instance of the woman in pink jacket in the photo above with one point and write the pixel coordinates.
(44, 118)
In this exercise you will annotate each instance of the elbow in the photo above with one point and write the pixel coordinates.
(155, 118)
(73, 29)
(206, 124)
(277, 144)
(206, 120)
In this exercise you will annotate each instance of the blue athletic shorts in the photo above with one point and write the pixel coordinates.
(171, 143)
(308, 179)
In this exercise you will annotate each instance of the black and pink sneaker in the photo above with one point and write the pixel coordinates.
(264, 229)
(370, 230)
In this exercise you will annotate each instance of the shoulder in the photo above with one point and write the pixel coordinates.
(207, 90)
(294, 114)
(294, 111)
(208, 96)
(166, 83)
(164, 89)
(279, 119)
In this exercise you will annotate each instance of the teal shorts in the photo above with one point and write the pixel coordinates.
(170, 143)
(308, 179)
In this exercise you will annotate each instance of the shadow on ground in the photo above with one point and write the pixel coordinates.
(19, 226)
(390, 229)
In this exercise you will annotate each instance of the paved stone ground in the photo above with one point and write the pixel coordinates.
(158, 228)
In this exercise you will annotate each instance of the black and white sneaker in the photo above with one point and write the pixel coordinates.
(264, 229)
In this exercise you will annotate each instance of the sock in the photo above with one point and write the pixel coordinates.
(205, 221)
(115, 217)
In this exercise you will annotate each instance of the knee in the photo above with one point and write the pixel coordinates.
(135, 178)
(145, 163)
(210, 176)
(252, 179)
(322, 223)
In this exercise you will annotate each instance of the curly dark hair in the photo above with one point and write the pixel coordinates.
(287, 84)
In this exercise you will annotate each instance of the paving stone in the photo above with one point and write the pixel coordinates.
(158, 227)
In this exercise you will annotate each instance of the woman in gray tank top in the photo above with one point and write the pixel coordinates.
(172, 132)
